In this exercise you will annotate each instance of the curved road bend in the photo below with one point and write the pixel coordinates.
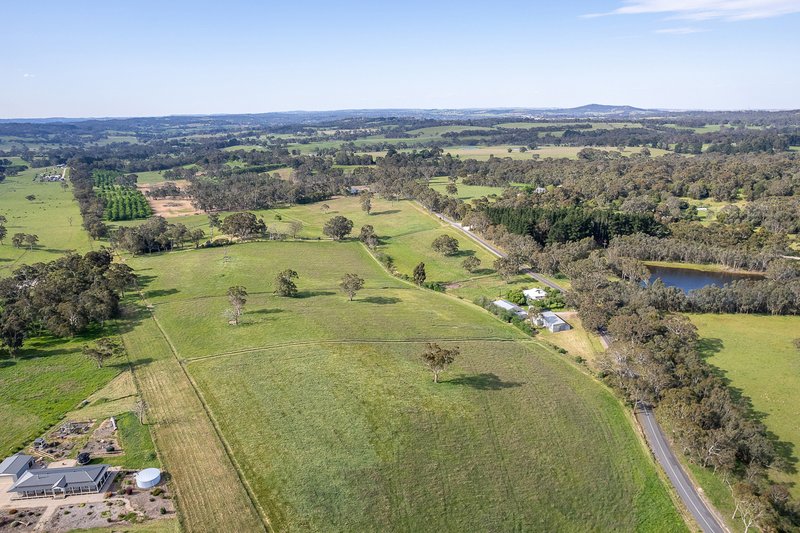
(700, 510)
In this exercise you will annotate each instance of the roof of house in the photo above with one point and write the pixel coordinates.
(551, 318)
(47, 478)
(508, 306)
(12, 466)
(534, 293)
(512, 308)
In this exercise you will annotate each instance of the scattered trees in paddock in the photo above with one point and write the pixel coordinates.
(154, 235)
(237, 296)
(295, 228)
(243, 226)
(368, 236)
(285, 285)
(471, 264)
(445, 245)
(101, 350)
(419, 274)
(366, 202)
(351, 284)
(437, 358)
(18, 240)
(338, 227)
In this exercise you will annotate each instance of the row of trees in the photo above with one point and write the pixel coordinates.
(655, 359)
(155, 235)
(63, 298)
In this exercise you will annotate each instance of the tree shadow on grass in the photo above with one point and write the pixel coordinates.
(464, 253)
(484, 381)
(785, 451)
(158, 293)
(385, 212)
(265, 311)
(380, 300)
(709, 346)
(7, 362)
(311, 294)
(125, 364)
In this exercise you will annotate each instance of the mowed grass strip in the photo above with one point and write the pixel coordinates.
(757, 354)
(356, 437)
(210, 495)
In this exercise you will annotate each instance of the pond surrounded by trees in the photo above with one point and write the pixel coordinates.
(689, 279)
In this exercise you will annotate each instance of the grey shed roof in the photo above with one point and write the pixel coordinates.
(551, 318)
(47, 478)
(14, 465)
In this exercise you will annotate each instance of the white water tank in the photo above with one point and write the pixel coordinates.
(147, 478)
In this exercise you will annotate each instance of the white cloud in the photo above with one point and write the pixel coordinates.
(680, 31)
(27, 75)
(708, 9)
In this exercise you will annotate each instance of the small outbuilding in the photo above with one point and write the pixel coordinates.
(511, 308)
(535, 294)
(551, 321)
(16, 465)
(148, 478)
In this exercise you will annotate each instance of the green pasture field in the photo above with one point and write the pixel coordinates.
(192, 309)
(756, 353)
(406, 230)
(482, 153)
(53, 216)
(356, 437)
(465, 192)
(369, 438)
(437, 131)
(48, 378)
(245, 147)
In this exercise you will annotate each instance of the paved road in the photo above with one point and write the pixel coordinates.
(498, 253)
(700, 510)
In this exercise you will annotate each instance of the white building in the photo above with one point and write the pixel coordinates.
(551, 321)
(511, 308)
(534, 294)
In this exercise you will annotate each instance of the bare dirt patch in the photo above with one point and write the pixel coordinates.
(103, 442)
(170, 207)
(125, 505)
(19, 520)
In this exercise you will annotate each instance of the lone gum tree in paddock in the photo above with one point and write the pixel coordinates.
(237, 296)
(351, 284)
(438, 359)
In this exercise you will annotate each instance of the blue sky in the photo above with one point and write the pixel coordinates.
(93, 58)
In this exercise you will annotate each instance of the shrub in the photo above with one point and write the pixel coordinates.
(515, 296)
(162, 510)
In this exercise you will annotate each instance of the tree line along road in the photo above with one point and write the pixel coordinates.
(703, 513)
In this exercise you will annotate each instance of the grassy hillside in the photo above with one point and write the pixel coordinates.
(49, 378)
(357, 438)
(335, 424)
(757, 355)
(53, 215)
